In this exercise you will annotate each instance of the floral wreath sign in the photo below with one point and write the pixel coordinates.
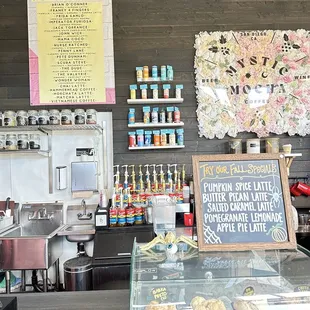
(254, 81)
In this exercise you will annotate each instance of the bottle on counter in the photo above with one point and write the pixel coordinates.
(121, 219)
(102, 213)
(130, 212)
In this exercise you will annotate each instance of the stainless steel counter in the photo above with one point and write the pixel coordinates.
(104, 300)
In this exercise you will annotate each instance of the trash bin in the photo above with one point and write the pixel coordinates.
(78, 273)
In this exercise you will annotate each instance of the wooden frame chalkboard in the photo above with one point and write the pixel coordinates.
(242, 202)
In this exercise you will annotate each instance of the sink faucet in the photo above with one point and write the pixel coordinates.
(40, 214)
(84, 215)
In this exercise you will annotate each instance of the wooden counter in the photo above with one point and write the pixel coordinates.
(103, 300)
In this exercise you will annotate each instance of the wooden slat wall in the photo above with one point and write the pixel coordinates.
(156, 32)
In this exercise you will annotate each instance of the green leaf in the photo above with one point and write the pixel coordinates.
(252, 122)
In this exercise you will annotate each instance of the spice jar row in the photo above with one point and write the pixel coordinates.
(165, 115)
(253, 146)
(144, 74)
(12, 142)
(163, 137)
(48, 117)
(155, 91)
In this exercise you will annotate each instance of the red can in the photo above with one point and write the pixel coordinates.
(132, 140)
(176, 116)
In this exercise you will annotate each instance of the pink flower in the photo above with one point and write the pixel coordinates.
(285, 59)
(293, 65)
(292, 36)
(280, 101)
(299, 111)
(287, 79)
(297, 92)
(279, 48)
(304, 50)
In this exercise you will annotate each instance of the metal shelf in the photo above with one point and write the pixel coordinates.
(39, 152)
(151, 125)
(289, 159)
(154, 101)
(49, 128)
(152, 147)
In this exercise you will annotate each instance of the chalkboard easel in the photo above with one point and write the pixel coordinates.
(242, 202)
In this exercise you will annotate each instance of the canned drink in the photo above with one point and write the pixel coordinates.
(139, 73)
(177, 116)
(140, 140)
(169, 73)
(146, 117)
(163, 73)
(145, 72)
(132, 139)
(169, 117)
(154, 116)
(131, 116)
(154, 72)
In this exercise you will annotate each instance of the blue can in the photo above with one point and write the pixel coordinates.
(154, 72)
(169, 73)
(163, 73)
(131, 116)
(180, 137)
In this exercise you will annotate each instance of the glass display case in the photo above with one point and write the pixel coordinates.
(248, 280)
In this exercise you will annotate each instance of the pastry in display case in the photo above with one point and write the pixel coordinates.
(163, 278)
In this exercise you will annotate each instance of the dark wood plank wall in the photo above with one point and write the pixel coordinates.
(148, 32)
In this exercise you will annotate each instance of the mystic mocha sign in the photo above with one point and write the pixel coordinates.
(242, 202)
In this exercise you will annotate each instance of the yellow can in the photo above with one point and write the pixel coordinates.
(145, 72)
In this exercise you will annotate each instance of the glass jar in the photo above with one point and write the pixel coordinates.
(91, 116)
(54, 117)
(22, 142)
(66, 117)
(32, 117)
(9, 118)
(272, 145)
(79, 118)
(1, 116)
(34, 142)
(11, 142)
(22, 118)
(235, 146)
(2, 142)
(43, 117)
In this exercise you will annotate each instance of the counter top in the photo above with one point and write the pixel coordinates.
(103, 300)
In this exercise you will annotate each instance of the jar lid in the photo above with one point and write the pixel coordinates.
(66, 111)
(54, 111)
(79, 111)
(33, 111)
(43, 111)
(10, 112)
(21, 111)
(91, 111)
(11, 135)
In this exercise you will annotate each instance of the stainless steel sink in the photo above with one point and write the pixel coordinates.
(33, 243)
(78, 232)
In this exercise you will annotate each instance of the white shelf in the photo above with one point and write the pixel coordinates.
(152, 147)
(293, 155)
(151, 79)
(159, 125)
(154, 101)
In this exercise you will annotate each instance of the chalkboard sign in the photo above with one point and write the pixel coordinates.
(242, 202)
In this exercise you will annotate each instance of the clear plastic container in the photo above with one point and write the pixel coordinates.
(32, 117)
(54, 117)
(43, 117)
(11, 142)
(91, 116)
(79, 117)
(22, 142)
(163, 214)
(22, 118)
(9, 118)
(34, 142)
(66, 117)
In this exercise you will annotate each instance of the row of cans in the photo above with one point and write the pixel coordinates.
(166, 73)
